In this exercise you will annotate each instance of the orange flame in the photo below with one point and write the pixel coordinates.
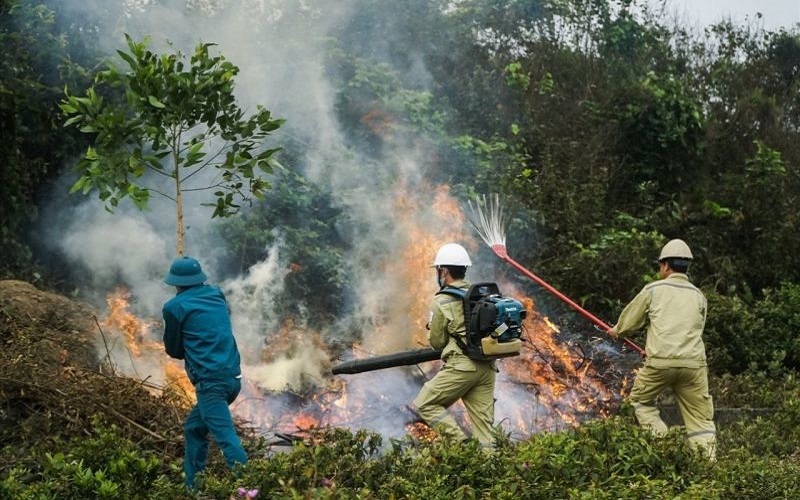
(137, 335)
(444, 223)
(120, 319)
(549, 373)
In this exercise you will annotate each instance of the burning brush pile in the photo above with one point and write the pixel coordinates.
(54, 379)
(52, 383)
(559, 380)
(61, 365)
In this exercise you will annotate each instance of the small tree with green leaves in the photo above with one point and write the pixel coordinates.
(163, 118)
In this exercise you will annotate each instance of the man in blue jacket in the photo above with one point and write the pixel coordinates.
(197, 329)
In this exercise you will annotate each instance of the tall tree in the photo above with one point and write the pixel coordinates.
(172, 120)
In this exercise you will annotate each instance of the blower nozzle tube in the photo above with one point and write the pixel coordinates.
(401, 358)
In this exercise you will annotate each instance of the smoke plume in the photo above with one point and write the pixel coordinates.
(280, 47)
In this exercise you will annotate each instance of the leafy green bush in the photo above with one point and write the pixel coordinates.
(104, 465)
(779, 323)
(727, 336)
(38, 62)
(762, 335)
(772, 434)
(755, 389)
(612, 268)
(746, 476)
(603, 455)
(612, 458)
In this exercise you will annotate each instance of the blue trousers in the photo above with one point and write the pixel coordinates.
(211, 415)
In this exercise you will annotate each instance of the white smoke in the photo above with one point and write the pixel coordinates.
(280, 47)
(293, 371)
(121, 249)
(250, 299)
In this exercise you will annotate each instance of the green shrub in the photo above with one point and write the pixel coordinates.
(727, 335)
(779, 315)
(625, 251)
(748, 476)
(425, 471)
(741, 336)
(605, 453)
(612, 458)
(103, 465)
(776, 434)
(755, 389)
(339, 459)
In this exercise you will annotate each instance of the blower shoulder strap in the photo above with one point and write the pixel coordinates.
(464, 296)
(458, 293)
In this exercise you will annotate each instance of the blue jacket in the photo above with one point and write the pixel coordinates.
(197, 329)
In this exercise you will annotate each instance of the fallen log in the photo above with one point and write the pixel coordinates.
(401, 358)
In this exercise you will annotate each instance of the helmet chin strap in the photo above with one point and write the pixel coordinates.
(439, 277)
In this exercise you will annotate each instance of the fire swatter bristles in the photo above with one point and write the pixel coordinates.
(489, 221)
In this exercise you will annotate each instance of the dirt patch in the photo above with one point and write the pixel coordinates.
(52, 385)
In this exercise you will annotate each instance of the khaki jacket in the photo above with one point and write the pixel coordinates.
(446, 323)
(674, 311)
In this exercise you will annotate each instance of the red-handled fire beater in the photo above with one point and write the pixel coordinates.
(500, 251)
(488, 221)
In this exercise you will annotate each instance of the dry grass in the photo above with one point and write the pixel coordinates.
(52, 385)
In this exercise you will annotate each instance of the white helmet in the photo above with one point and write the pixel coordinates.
(676, 249)
(452, 254)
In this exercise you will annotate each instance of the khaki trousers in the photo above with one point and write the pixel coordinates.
(690, 386)
(474, 388)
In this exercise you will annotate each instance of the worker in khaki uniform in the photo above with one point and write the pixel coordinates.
(674, 312)
(460, 377)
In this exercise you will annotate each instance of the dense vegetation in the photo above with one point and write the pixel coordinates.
(606, 129)
(609, 459)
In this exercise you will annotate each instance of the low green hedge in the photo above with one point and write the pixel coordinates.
(612, 458)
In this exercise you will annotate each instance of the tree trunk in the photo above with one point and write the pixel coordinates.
(179, 204)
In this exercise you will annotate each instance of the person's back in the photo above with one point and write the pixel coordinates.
(201, 314)
(676, 315)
